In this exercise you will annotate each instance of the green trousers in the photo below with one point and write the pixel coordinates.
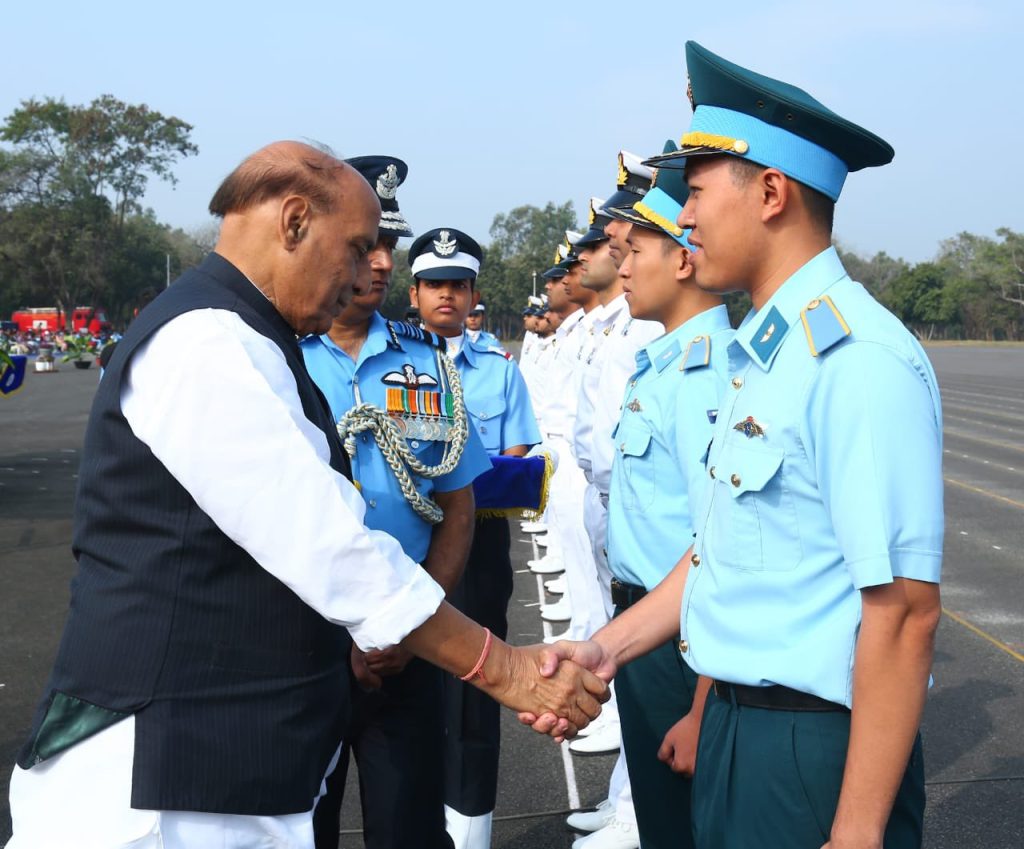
(771, 778)
(654, 692)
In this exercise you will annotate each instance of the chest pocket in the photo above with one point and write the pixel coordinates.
(633, 445)
(754, 516)
(486, 414)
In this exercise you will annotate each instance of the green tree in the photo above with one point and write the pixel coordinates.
(523, 243)
(877, 273)
(917, 298)
(70, 182)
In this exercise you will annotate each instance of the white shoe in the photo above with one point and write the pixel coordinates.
(533, 527)
(546, 565)
(599, 723)
(616, 835)
(554, 638)
(542, 540)
(556, 586)
(600, 741)
(560, 611)
(468, 832)
(589, 821)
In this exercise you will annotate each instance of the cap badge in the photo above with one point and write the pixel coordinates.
(592, 217)
(444, 245)
(623, 173)
(689, 92)
(749, 428)
(387, 183)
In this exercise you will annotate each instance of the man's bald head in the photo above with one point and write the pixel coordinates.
(299, 223)
(276, 171)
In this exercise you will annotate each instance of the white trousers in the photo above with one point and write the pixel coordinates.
(568, 486)
(595, 520)
(620, 791)
(81, 798)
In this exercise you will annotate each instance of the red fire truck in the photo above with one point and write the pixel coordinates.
(52, 319)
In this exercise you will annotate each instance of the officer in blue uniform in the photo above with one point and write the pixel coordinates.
(445, 263)
(475, 327)
(402, 373)
(811, 595)
(666, 421)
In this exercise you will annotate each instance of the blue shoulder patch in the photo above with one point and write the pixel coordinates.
(768, 336)
(410, 331)
(666, 356)
(823, 325)
(698, 354)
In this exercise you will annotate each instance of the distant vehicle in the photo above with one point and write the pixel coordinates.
(93, 319)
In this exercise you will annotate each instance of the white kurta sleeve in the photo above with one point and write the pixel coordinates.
(217, 404)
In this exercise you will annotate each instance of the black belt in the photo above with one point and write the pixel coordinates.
(775, 697)
(626, 595)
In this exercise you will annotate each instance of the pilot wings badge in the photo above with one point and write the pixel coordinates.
(444, 245)
(387, 183)
(749, 428)
(408, 377)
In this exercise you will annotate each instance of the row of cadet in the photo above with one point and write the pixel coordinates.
(669, 434)
(597, 329)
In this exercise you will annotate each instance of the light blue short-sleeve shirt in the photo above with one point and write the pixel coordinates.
(497, 400)
(824, 477)
(661, 440)
(384, 362)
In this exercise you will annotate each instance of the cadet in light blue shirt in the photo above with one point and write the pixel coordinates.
(445, 263)
(475, 327)
(660, 441)
(811, 595)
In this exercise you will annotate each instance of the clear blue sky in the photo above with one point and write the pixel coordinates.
(497, 105)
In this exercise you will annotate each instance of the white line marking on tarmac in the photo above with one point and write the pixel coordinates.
(570, 776)
(963, 533)
(521, 571)
(998, 547)
(533, 604)
(571, 788)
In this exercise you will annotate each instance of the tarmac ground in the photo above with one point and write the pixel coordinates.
(974, 723)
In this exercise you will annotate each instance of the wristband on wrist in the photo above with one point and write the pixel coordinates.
(478, 668)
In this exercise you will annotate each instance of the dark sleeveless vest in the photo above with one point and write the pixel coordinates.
(240, 691)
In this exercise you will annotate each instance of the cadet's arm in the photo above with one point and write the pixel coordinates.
(650, 622)
(646, 625)
(451, 539)
(890, 682)
(516, 451)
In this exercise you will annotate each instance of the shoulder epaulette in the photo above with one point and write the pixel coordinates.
(491, 349)
(823, 325)
(411, 331)
(698, 353)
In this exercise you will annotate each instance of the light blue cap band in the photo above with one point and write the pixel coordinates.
(662, 210)
(773, 147)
